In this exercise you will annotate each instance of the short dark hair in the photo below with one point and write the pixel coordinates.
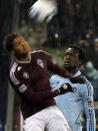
(80, 51)
(8, 41)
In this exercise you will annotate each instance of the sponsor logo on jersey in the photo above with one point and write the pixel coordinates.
(90, 103)
(22, 88)
(19, 68)
(40, 63)
(26, 75)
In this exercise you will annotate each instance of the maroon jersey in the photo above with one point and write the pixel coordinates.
(30, 80)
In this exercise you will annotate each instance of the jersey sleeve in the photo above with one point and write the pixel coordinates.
(26, 92)
(88, 102)
(55, 68)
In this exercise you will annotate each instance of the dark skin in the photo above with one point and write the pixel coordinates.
(20, 49)
(71, 60)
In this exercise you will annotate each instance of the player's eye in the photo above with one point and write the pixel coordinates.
(22, 40)
(68, 54)
(17, 44)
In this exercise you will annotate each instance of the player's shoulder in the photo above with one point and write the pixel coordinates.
(56, 77)
(56, 81)
(87, 89)
(13, 68)
(87, 84)
(39, 52)
(13, 71)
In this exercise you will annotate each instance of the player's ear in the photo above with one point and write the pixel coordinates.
(80, 62)
(12, 52)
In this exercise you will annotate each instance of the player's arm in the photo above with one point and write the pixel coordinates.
(26, 92)
(55, 68)
(89, 108)
(52, 66)
(60, 84)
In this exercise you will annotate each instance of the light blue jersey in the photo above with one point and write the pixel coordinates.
(72, 104)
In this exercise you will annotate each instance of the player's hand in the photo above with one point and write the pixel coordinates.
(64, 88)
(77, 79)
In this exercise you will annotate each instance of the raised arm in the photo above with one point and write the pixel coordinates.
(55, 68)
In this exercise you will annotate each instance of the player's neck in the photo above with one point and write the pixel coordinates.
(24, 58)
(73, 71)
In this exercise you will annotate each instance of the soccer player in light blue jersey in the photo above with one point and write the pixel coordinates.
(72, 104)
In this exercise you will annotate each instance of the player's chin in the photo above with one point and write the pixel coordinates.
(25, 52)
(26, 49)
(66, 65)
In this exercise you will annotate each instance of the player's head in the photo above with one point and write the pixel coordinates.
(16, 45)
(73, 58)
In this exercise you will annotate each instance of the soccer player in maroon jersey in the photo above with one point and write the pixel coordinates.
(29, 78)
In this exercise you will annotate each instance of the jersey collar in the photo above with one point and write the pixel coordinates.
(24, 62)
(77, 73)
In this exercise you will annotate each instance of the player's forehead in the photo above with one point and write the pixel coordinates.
(17, 39)
(71, 50)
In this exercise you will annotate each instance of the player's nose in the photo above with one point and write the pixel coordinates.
(23, 44)
(67, 57)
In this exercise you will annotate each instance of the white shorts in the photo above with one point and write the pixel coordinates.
(49, 119)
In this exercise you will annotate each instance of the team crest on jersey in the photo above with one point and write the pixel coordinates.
(40, 63)
(26, 75)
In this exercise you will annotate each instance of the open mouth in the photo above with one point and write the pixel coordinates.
(67, 62)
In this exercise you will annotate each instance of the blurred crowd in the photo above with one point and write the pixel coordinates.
(75, 23)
